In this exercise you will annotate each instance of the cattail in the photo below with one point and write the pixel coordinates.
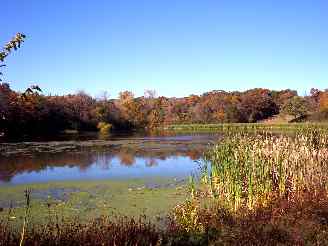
(247, 168)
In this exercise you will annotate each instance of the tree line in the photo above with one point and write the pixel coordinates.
(35, 113)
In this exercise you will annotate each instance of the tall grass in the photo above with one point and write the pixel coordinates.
(102, 231)
(246, 127)
(249, 170)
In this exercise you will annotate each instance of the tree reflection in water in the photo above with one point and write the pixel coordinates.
(151, 152)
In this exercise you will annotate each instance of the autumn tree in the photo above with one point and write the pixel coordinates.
(281, 97)
(5, 91)
(130, 109)
(323, 100)
(257, 104)
(13, 44)
(156, 115)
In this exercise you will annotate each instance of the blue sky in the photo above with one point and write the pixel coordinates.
(177, 47)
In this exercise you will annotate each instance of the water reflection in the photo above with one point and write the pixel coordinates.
(152, 156)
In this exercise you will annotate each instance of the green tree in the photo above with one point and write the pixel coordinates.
(296, 106)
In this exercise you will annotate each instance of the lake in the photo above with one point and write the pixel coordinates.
(118, 157)
(87, 176)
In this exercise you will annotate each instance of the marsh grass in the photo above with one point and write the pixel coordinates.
(260, 189)
(302, 221)
(249, 170)
(247, 127)
(102, 231)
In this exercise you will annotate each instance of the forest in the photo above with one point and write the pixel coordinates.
(33, 113)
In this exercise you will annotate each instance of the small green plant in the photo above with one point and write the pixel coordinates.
(26, 215)
(192, 186)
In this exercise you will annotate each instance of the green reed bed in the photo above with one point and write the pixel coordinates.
(249, 127)
(248, 170)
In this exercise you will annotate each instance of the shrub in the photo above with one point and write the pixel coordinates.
(104, 127)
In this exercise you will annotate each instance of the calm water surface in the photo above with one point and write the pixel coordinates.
(118, 157)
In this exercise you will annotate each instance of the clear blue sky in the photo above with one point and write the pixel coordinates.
(175, 47)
